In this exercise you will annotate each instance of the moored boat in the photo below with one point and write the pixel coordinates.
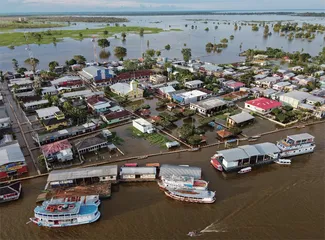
(296, 144)
(182, 182)
(10, 192)
(215, 163)
(282, 161)
(193, 196)
(245, 170)
(58, 213)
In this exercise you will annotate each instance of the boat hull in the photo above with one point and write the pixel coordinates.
(164, 186)
(295, 152)
(216, 165)
(190, 200)
(45, 224)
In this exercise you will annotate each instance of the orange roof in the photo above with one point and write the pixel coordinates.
(224, 133)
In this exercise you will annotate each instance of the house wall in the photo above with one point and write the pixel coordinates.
(55, 126)
(92, 148)
(136, 93)
(147, 176)
(289, 100)
(229, 164)
(103, 74)
(257, 109)
(141, 128)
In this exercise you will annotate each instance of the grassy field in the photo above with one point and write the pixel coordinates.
(153, 138)
(50, 36)
(10, 25)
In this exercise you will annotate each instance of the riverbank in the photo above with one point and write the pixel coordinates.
(50, 36)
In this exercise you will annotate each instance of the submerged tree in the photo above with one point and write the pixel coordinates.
(104, 54)
(141, 32)
(187, 54)
(120, 52)
(103, 43)
(167, 47)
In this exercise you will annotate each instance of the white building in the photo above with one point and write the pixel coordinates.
(281, 85)
(135, 173)
(184, 98)
(35, 104)
(143, 125)
(194, 84)
(295, 98)
(48, 113)
(49, 91)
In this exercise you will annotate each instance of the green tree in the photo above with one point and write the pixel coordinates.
(150, 52)
(80, 35)
(72, 62)
(38, 91)
(33, 62)
(123, 35)
(206, 29)
(21, 70)
(80, 59)
(231, 37)
(67, 106)
(141, 32)
(148, 43)
(130, 65)
(254, 27)
(15, 64)
(103, 43)
(158, 53)
(186, 131)
(187, 54)
(52, 65)
(188, 113)
(167, 47)
(266, 30)
(120, 52)
(105, 32)
(235, 27)
(55, 100)
(224, 40)
(194, 139)
(104, 54)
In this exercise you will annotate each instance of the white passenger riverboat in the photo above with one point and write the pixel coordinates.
(296, 144)
(193, 196)
(182, 182)
(62, 213)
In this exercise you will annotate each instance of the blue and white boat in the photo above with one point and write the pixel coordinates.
(63, 213)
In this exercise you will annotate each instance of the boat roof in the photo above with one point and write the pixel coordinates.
(176, 170)
(137, 170)
(301, 136)
(193, 193)
(42, 209)
(9, 188)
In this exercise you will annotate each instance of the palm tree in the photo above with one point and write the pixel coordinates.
(15, 64)
(33, 62)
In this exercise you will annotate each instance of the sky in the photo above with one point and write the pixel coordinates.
(15, 6)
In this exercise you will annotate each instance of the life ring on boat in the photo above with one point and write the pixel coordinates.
(59, 208)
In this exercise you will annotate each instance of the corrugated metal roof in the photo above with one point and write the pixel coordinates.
(241, 117)
(250, 150)
(167, 170)
(267, 148)
(233, 154)
(137, 170)
(77, 173)
(301, 136)
(11, 153)
(45, 112)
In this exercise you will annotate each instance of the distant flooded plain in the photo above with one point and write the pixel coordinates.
(196, 39)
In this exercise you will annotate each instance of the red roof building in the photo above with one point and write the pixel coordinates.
(262, 105)
(52, 149)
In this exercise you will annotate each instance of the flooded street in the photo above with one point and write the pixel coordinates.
(271, 202)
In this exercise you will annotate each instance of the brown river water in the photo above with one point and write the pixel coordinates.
(271, 202)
